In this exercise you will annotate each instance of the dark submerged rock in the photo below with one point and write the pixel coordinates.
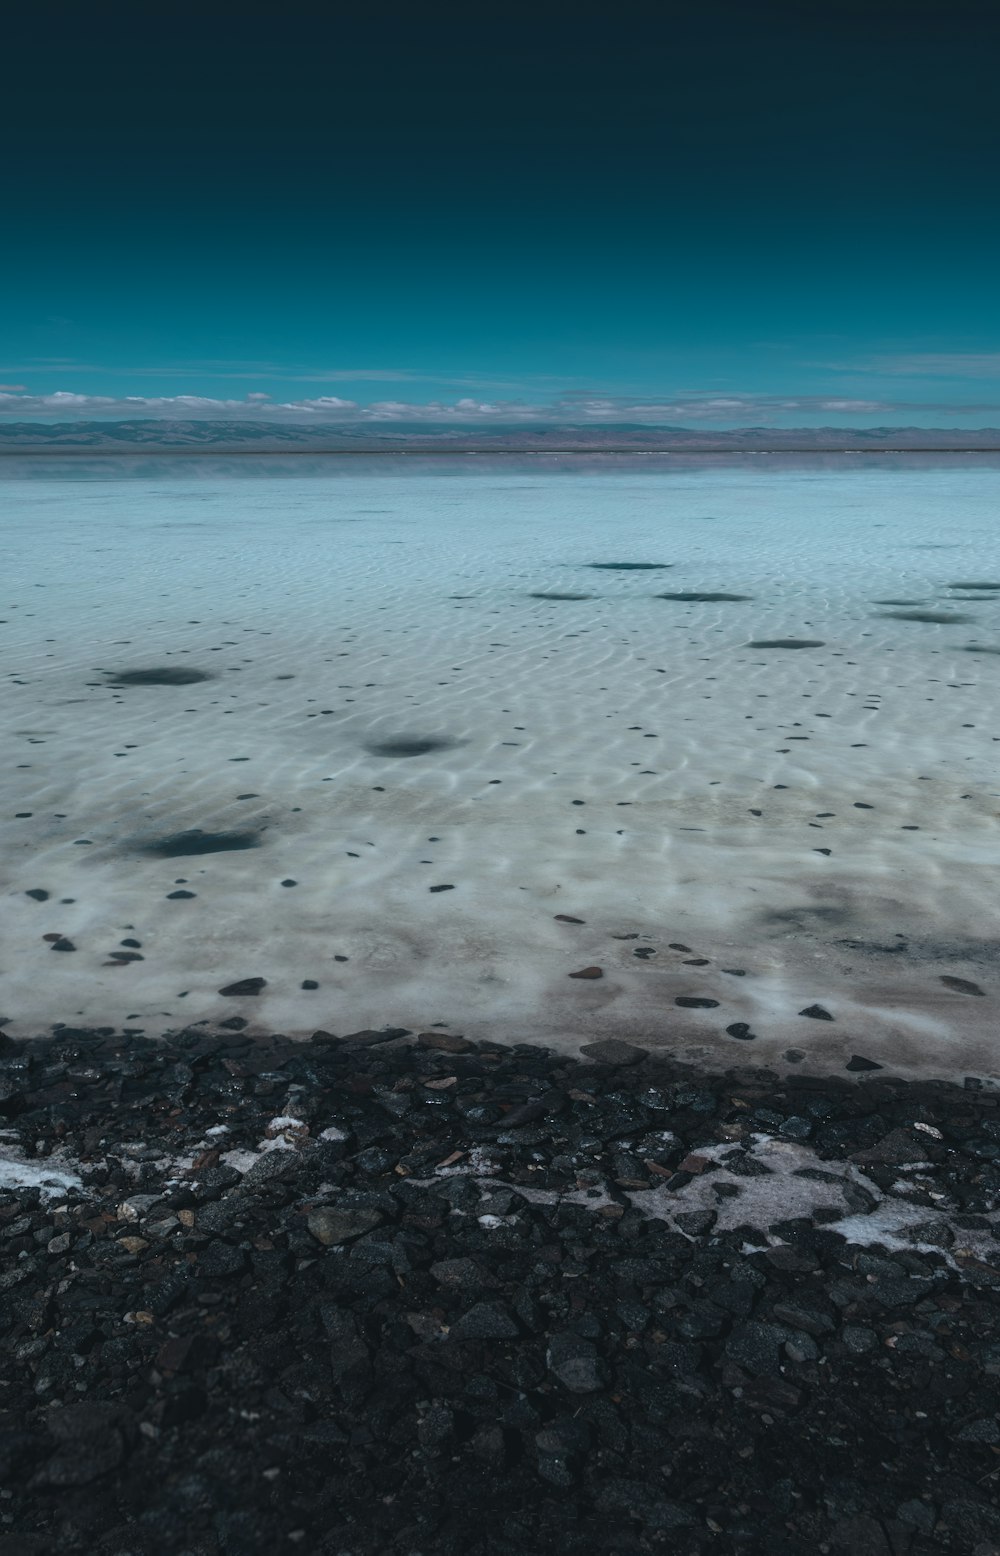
(786, 643)
(181, 845)
(409, 745)
(947, 618)
(706, 596)
(159, 675)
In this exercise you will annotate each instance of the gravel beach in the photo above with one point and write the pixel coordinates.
(403, 1293)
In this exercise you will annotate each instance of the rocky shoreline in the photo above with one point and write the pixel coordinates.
(399, 1294)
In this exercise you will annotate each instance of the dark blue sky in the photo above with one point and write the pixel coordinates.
(715, 214)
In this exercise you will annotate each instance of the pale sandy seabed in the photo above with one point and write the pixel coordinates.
(810, 826)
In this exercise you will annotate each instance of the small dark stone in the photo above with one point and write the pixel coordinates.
(693, 1002)
(310, 983)
(176, 896)
(485, 1321)
(696, 1223)
(611, 1050)
(220, 1260)
(741, 1030)
(37, 894)
(857, 1062)
(332, 1226)
(574, 1361)
(244, 986)
(444, 1042)
(816, 1012)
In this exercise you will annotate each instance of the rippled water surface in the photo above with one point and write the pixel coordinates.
(415, 740)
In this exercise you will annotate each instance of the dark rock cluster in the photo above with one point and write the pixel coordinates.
(393, 1296)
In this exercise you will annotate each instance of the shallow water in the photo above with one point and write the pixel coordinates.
(456, 713)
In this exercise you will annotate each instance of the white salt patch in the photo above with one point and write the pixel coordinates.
(766, 1200)
(333, 1133)
(287, 1130)
(218, 1129)
(478, 1161)
(51, 1180)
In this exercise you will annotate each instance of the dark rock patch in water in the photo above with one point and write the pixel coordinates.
(944, 617)
(707, 595)
(786, 643)
(630, 567)
(897, 602)
(542, 595)
(178, 845)
(806, 919)
(158, 675)
(974, 586)
(981, 648)
(961, 985)
(409, 745)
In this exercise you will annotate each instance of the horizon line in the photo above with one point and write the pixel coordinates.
(347, 453)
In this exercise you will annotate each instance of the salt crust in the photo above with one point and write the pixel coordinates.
(332, 632)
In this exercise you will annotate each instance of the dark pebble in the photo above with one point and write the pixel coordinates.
(244, 986)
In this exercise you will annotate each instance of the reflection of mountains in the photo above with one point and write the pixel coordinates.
(195, 436)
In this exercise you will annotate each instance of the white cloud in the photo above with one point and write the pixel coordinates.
(574, 409)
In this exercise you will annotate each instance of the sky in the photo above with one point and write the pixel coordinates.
(718, 213)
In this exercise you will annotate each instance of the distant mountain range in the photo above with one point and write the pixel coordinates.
(258, 437)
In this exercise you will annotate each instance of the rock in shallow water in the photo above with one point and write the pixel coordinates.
(245, 986)
(611, 1050)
